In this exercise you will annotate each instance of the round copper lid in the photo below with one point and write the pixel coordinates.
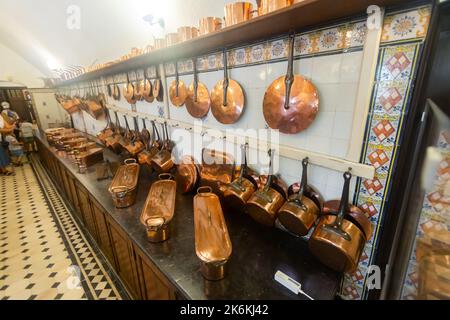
(231, 112)
(178, 98)
(198, 106)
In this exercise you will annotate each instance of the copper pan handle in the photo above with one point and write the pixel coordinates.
(303, 184)
(129, 161)
(225, 78)
(166, 176)
(203, 190)
(336, 226)
(289, 78)
(194, 61)
(177, 79)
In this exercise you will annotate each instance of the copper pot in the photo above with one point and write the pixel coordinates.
(264, 204)
(216, 170)
(172, 39)
(209, 25)
(124, 183)
(300, 212)
(237, 12)
(177, 90)
(268, 6)
(159, 208)
(186, 175)
(187, 33)
(227, 98)
(237, 193)
(198, 101)
(212, 242)
(291, 102)
(336, 241)
(162, 162)
(160, 43)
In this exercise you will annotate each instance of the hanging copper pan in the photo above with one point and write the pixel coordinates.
(147, 88)
(197, 101)
(177, 90)
(115, 91)
(291, 102)
(162, 162)
(300, 212)
(337, 241)
(240, 190)
(158, 92)
(128, 91)
(227, 98)
(137, 88)
(187, 174)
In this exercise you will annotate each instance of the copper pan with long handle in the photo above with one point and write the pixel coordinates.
(177, 90)
(128, 91)
(137, 87)
(147, 88)
(198, 101)
(291, 102)
(300, 212)
(158, 92)
(227, 97)
(337, 241)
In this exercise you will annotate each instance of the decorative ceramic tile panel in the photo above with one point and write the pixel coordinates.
(390, 102)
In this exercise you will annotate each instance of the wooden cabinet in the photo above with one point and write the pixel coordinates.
(154, 285)
(65, 184)
(73, 195)
(86, 211)
(103, 236)
(125, 259)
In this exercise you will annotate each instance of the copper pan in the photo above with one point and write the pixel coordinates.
(240, 190)
(264, 204)
(187, 33)
(123, 186)
(152, 147)
(227, 98)
(177, 90)
(146, 88)
(300, 212)
(115, 91)
(209, 25)
(108, 131)
(145, 139)
(135, 145)
(216, 170)
(212, 242)
(113, 142)
(268, 6)
(291, 102)
(354, 214)
(237, 12)
(336, 241)
(158, 92)
(197, 100)
(186, 175)
(160, 43)
(162, 162)
(128, 91)
(159, 208)
(138, 90)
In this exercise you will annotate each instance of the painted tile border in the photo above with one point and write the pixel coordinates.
(394, 81)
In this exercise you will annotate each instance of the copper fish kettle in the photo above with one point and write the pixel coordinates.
(124, 183)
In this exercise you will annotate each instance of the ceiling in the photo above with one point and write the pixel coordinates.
(38, 32)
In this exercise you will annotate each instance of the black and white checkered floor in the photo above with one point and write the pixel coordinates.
(44, 253)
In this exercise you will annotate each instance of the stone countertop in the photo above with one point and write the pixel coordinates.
(258, 251)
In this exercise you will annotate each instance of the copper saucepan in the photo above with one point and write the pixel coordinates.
(300, 212)
(240, 190)
(187, 33)
(291, 102)
(216, 170)
(209, 24)
(227, 98)
(162, 162)
(197, 100)
(113, 142)
(237, 12)
(186, 175)
(268, 6)
(145, 139)
(263, 205)
(160, 43)
(336, 241)
(172, 39)
(177, 90)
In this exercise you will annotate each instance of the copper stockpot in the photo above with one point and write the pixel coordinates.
(186, 175)
(263, 205)
(163, 162)
(177, 90)
(159, 208)
(124, 183)
(209, 25)
(187, 33)
(216, 170)
(268, 6)
(240, 190)
(172, 39)
(237, 12)
(227, 98)
(291, 102)
(212, 242)
(300, 212)
(160, 43)
(198, 101)
(336, 241)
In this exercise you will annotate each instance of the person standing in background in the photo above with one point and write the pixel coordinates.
(11, 117)
(5, 129)
(27, 136)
